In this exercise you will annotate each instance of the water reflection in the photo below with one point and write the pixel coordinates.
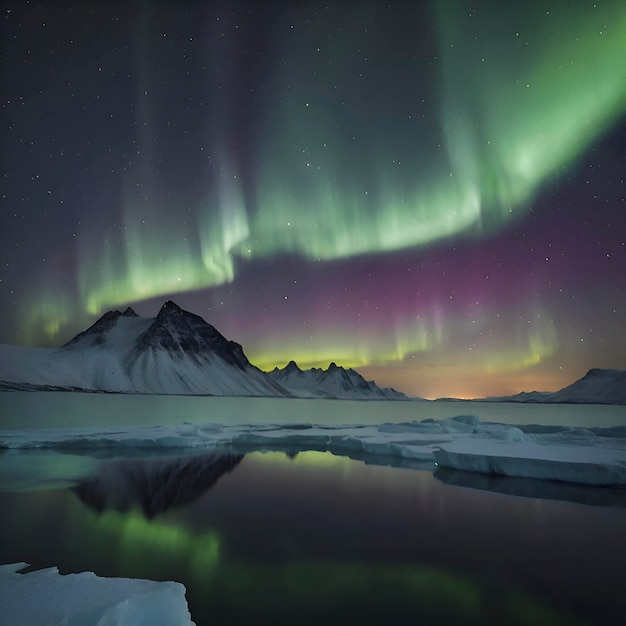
(292, 450)
(534, 488)
(314, 538)
(155, 484)
(139, 547)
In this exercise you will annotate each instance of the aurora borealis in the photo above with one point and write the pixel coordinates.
(432, 193)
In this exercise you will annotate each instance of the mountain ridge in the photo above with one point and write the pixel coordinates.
(334, 382)
(176, 352)
(597, 386)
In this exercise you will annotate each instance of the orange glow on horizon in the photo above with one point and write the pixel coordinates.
(467, 384)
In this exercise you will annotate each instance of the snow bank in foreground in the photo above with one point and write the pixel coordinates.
(47, 597)
(593, 456)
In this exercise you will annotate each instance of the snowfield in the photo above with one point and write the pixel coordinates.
(593, 456)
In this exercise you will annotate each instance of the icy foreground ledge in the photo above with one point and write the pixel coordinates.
(594, 456)
(47, 597)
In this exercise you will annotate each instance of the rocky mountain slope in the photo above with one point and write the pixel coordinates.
(175, 353)
(335, 382)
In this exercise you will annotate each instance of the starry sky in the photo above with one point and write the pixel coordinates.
(432, 193)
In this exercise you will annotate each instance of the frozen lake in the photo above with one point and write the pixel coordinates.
(53, 409)
(266, 537)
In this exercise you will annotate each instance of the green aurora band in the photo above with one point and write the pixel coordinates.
(513, 116)
(503, 350)
(523, 93)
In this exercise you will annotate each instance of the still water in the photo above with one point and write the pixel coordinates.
(265, 538)
(59, 409)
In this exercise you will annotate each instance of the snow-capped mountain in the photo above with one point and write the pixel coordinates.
(175, 353)
(335, 382)
(597, 386)
(523, 396)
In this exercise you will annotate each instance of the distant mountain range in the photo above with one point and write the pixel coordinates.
(176, 352)
(335, 382)
(597, 386)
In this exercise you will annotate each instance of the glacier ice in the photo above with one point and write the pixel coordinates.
(47, 597)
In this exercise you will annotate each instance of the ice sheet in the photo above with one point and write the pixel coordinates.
(592, 456)
(593, 465)
(47, 597)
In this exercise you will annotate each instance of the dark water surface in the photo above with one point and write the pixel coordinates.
(263, 538)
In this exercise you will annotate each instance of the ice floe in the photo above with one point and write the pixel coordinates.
(47, 597)
(594, 456)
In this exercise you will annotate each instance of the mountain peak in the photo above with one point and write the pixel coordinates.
(179, 331)
(603, 373)
(334, 382)
(170, 308)
(96, 333)
(175, 352)
(597, 386)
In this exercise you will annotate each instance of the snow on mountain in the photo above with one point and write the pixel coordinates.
(597, 386)
(175, 353)
(335, 382)
(524, 396)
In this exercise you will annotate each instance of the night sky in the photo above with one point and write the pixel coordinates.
(432, 193)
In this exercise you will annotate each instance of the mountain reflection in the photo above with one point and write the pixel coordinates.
(156, 485)
(534, 488)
